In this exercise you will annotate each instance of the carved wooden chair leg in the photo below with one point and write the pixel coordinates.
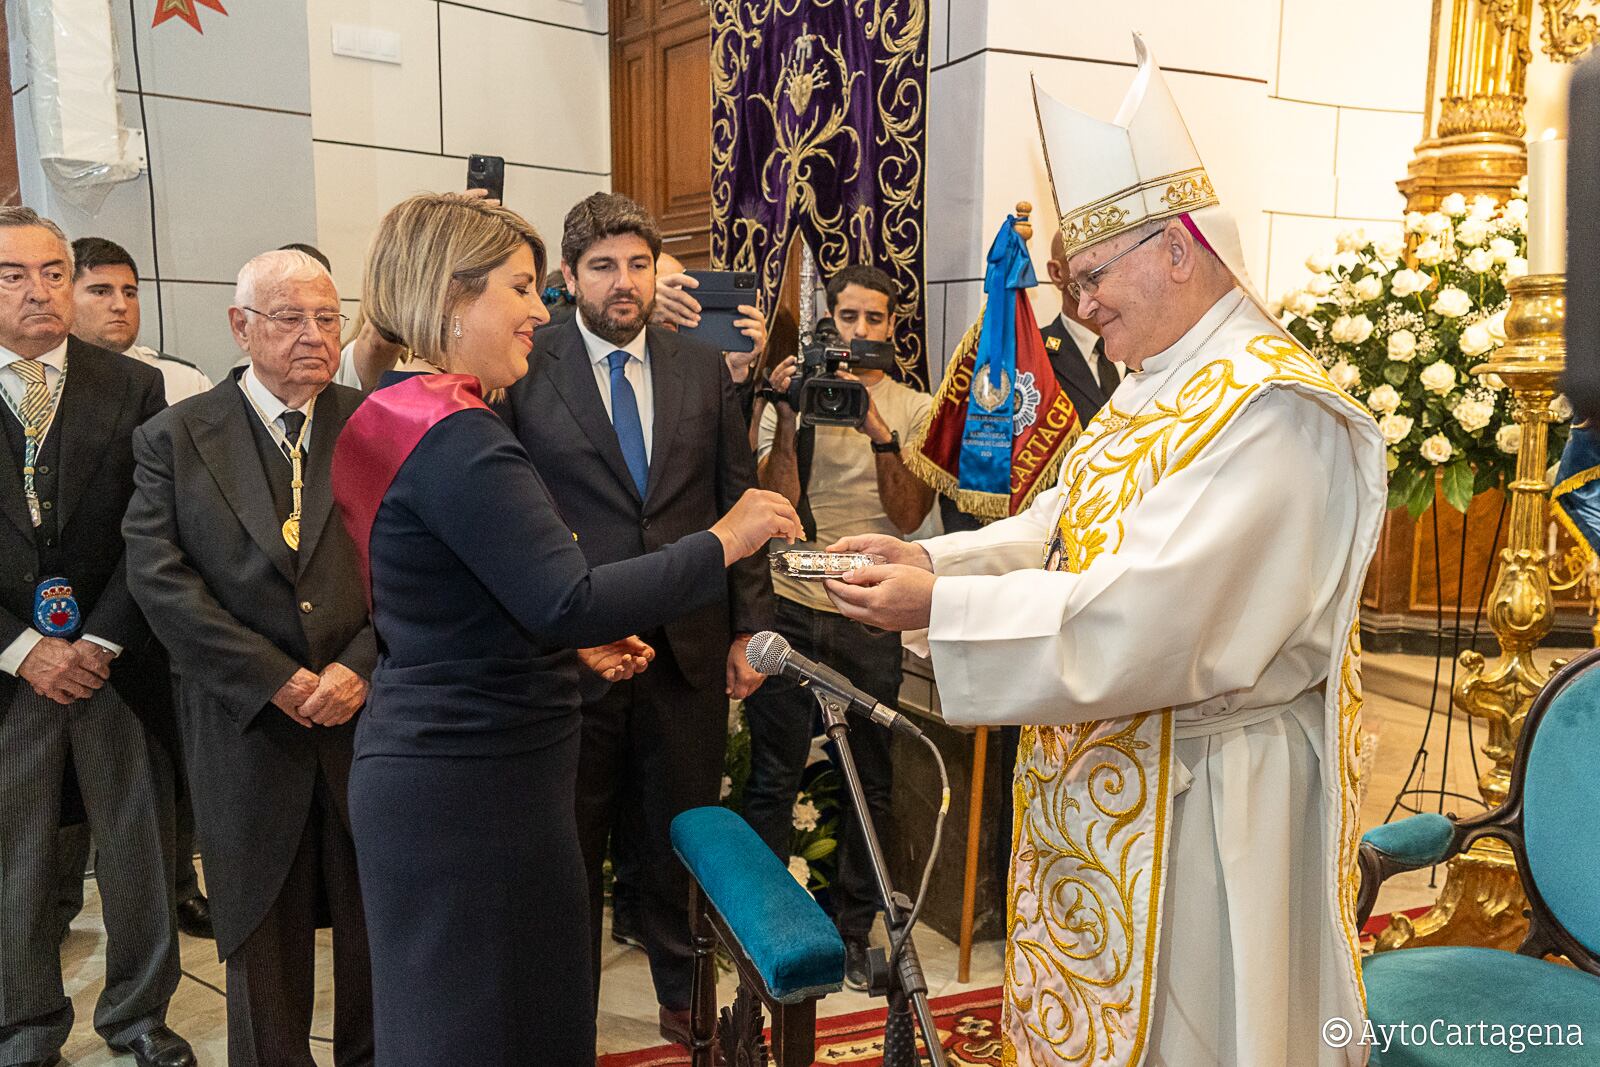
(794, 1034)
(703, 991)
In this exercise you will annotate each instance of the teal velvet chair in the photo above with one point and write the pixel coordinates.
(786, 950)
(1551, 821)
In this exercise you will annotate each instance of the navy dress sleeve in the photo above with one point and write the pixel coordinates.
(491, 509)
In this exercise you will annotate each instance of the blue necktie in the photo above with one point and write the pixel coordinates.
(625, 420)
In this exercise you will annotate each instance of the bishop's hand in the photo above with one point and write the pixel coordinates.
(891, 597)
(892, 549)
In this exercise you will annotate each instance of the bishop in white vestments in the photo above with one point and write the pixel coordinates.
(1175, 628)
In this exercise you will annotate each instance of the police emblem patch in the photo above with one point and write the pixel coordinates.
(55, 609)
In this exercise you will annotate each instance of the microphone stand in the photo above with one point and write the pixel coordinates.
(905, 986)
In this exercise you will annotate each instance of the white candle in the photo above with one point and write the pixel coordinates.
(1547, 206)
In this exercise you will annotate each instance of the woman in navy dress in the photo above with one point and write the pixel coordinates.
(461, 795)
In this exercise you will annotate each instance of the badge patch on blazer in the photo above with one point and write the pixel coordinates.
(55, 609)
(1053, 343)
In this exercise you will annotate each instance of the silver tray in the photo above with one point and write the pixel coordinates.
(808, 565)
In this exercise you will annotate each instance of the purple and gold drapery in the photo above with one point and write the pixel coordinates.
(818, 123)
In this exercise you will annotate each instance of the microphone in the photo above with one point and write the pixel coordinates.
(769, 653)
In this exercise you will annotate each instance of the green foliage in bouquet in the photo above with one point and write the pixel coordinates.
(1403, 340)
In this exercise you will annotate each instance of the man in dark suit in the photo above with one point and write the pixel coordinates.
(255, 590)
(638, 434)
(67, 626)
(1076, 351)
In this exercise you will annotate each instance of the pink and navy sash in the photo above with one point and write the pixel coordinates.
(378, 439)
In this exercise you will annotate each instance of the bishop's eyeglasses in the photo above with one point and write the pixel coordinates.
(1078, 288)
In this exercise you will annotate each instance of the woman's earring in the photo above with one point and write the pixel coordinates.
(456, 329)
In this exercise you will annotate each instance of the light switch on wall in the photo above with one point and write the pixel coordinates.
(366, 42)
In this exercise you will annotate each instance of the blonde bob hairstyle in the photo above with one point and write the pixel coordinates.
(431, 255)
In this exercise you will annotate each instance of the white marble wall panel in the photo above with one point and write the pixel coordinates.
(956, 176)
(1374, 148)
(1224, 117)
(255, 54)
(939, 32)
(1293, 238)
(1216, 36)
(230, 183)
(544, 197)
(196, 318)
(17, 51)
(355, 186)
(963, 301)
(1298, 157)
(587, 14)
(362, 102)
(933, 295)
(969, 28)
(535, 93)
(1360, 53)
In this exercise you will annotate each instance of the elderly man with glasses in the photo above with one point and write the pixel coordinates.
(1185, 664)
(254, 589)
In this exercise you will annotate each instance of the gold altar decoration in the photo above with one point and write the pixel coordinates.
(1482, 901)
(1473, 129)
(1568, 35)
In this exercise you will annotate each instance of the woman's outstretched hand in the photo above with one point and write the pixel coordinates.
(757, 518)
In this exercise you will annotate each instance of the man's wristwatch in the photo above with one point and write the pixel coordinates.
(891, 445)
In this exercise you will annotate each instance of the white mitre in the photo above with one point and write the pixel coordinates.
(1109, 177)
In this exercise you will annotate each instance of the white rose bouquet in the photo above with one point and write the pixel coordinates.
(1403, 337)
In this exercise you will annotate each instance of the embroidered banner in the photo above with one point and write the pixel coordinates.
(818, 130)
(1001, 423)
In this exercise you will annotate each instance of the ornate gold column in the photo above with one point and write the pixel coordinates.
(1474, 125)
(1482, 899)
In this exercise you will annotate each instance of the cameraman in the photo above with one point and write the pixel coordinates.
(856, 483)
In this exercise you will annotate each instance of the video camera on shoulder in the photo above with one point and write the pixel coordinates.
(821, 397)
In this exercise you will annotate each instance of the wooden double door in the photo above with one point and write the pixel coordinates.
(661, 117)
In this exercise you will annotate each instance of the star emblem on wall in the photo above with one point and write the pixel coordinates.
(187, 10)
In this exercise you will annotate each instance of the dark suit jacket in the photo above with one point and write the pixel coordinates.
(700, 464)
(240, 613)
(105, 396)
(1581, 382)
(1071, 371)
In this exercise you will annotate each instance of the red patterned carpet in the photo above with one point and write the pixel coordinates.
(969, 1023)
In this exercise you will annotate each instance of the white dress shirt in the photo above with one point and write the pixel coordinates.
(1086, 339)
(271, 408)
(181, 381)
(636, 370)
(17, 651)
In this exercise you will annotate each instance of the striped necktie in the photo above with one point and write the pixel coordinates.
(35, 408)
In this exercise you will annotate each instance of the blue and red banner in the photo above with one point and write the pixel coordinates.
(1001, 423)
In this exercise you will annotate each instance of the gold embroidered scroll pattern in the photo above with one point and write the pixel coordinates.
(1350, 703)
(1104, 482)
(1076, 923)
(1078, 947)
(1190, 191)
(1291, 363)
